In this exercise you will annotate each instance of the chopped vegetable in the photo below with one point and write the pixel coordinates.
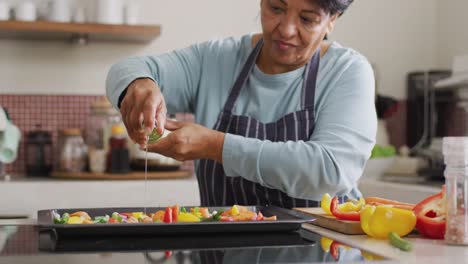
(171, 214)
(399, 242)
(325, 203)
(75, 220)
(175, 213)
(431, 216)
(188, 217)
(381, 201)
(379, 221)
(352, 205)
(325, 243)
(83, 215)
(349, 216)
(168, 215)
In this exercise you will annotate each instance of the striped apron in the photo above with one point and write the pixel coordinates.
(216, 189)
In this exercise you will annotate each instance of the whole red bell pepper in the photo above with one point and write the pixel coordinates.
(431, 216)
(349, 216)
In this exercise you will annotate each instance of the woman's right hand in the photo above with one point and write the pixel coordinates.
(143, 103)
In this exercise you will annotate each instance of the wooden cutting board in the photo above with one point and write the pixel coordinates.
(330, 222)
(135, 175)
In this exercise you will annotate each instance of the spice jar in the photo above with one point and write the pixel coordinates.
(73, 151)
(455, 151)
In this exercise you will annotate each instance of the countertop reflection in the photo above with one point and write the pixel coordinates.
(28, 244)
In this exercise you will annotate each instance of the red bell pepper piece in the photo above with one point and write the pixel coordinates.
(335, 250)
(430, 217)
(127, 215)
(167, 254)
(168, 215)
(175, 213)
(226, 219)
(349, 216)
(259, 216)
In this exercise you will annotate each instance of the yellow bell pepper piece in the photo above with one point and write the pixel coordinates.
(73, 220)
(234, 210)
(325, 243)
(325, 203)
(137, 215)
(187, 217)
(352, 205)
(379, 221)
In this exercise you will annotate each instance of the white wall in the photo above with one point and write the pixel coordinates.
(452, 31)
(397, 36)
(56, 67)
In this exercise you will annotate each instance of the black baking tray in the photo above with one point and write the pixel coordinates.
(287, 221)
(50, 241)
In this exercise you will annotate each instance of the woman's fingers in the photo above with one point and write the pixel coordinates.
(149, 112)
(161, 116)
(173, 124)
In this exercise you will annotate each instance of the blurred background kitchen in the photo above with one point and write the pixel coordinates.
(58, 135)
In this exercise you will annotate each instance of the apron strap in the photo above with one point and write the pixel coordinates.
(310, 79)
(242, 78)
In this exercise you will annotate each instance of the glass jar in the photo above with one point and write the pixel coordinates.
(98, 131)
(99, 124)
(73, 151)
(38, 152)
(455, 151)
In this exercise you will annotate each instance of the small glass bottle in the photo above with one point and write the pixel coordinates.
(118, 159)
(455, 151)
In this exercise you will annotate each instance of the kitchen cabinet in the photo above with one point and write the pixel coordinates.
(45, 30)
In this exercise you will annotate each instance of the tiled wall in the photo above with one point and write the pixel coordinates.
(53, 113)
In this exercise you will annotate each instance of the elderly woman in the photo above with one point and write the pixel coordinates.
(281, 117)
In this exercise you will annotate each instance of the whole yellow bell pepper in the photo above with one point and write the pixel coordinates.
(379, 221)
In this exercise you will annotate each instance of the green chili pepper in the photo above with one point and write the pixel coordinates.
(399, 242)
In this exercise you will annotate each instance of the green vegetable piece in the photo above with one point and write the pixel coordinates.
(196, 209)
(57, 218)
(217, 216)
(101, 219)
(65, 217)
(399, 242)
(183, 210)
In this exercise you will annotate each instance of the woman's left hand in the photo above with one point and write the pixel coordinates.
(189, 141)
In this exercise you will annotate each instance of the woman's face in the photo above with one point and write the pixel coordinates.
(293, 30)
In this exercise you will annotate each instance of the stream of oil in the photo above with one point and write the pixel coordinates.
(146, 175)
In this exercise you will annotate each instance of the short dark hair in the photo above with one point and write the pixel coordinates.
(334, 6)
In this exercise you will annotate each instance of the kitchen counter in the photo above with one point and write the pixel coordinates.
(20, 242)
(25, 244)
(426, 251)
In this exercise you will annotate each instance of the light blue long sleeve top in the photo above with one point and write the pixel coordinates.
(198, 79)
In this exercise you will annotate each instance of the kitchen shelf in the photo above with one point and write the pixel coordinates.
(78, 32)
